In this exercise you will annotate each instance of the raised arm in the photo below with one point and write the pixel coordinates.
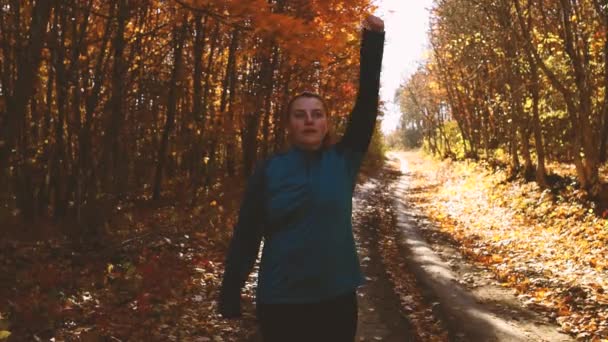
(363, 116)
(244, 246)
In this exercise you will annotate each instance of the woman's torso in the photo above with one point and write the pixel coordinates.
(309, 253)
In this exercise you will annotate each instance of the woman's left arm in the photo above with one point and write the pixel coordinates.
(362, 119)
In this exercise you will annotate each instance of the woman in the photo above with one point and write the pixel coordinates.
(300, 202)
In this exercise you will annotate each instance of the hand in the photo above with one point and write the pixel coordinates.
(373, 23)
(226, 314)
(229, 304)
(229, 310)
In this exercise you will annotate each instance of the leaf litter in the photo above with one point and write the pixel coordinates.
(549, 246)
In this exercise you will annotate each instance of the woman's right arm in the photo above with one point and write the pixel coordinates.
(244, 246)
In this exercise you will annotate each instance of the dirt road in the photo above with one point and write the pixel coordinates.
(471, 304)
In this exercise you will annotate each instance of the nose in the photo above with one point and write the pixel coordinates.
(308, 117)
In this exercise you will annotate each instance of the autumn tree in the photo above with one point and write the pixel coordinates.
(104, 102)
(523, 76)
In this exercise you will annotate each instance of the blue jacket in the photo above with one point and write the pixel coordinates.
(300, 203)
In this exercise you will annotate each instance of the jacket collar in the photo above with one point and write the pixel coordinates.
(307, 153)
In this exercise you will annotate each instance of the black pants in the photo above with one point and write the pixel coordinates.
(332, 320)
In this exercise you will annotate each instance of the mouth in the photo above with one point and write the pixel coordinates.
(309, 131)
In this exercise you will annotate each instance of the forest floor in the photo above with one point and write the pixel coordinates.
(155, 272)
(522, 263)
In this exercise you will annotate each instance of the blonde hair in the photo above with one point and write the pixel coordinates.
(306, 94)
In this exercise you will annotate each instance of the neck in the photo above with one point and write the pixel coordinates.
(308, 148)
(304, 146)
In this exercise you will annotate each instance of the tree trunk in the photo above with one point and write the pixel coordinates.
(179, 38)
(538, 136)
(602, 11)
(59, 157)
(269, 90)
(515, 166)
(114, 128)
(28, 63)
(231, 86)
(197, 103)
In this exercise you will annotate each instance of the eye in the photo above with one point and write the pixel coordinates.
(318, 114)
(299, 114)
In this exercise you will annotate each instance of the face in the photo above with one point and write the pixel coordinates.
(307, 123)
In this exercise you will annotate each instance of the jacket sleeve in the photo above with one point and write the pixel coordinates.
(363, 116)
(244, 245)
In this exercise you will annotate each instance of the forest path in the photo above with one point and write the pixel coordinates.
(473, 306)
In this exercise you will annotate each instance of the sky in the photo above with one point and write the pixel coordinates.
(406, 24)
